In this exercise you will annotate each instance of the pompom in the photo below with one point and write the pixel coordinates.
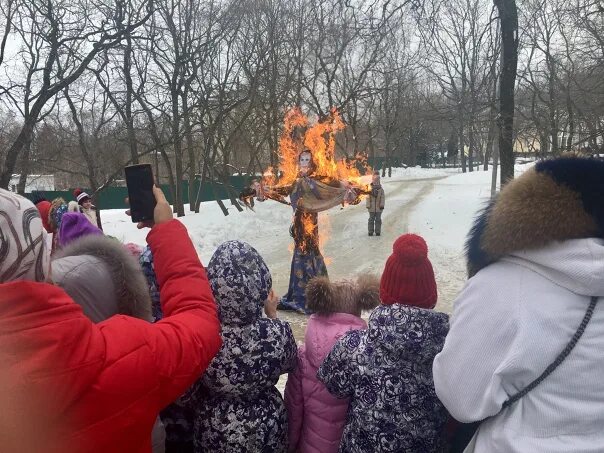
(320, 295)
(410, 250)
(76, 193)
(368, 292)
(73, 206)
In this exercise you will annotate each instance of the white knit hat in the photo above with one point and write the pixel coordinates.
(23, 254)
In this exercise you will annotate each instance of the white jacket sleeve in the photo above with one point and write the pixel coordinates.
(473, 372)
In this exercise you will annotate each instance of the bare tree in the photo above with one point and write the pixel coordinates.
(71, 35)
(461, 48)
(508, 22)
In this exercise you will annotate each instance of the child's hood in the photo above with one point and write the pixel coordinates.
(240, 281)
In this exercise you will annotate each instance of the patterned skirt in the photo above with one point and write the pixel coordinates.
(305, 265)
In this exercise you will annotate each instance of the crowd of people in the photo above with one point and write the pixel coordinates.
(114, 347)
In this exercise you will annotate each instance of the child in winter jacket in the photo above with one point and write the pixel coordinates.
(386, 370)
(316, 418)
(238, 408)
(86, 206)
(43, 206)
(375, 205)
(57, 210)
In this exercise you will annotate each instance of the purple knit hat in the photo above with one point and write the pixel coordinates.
(73, 226)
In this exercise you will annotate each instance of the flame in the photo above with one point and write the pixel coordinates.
(320, 139)
(289, 147)
(268, 177)
(308, 225)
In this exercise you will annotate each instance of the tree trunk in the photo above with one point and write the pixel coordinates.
(168, 164)
(190, 151)
(24, 169)
(492, 126)
(508, 16)
(471, 146)
(203, 176)
(571, 122)
(462, 151)
(23, 140)
(177, 144)
(495, 168)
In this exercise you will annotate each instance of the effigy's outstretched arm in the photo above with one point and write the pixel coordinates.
(354, 192)
(262, 193)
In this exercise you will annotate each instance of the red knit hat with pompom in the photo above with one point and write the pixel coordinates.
(408, 277)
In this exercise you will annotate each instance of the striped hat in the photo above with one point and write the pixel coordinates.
(80, 196)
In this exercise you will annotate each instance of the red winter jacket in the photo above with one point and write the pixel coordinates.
(100, 386)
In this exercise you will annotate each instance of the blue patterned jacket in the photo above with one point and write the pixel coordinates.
(237, 406)
(386, 370)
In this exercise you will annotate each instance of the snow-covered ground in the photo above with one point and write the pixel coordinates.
(439, 204)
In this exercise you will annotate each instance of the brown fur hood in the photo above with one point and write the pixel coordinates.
(344, 296)
(557, 200)
(87, 269)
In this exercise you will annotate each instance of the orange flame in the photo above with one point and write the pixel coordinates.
(309, 226)
(320, 139)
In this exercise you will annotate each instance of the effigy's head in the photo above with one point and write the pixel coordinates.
(305, 162)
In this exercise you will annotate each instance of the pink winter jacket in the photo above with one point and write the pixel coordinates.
(316, 419)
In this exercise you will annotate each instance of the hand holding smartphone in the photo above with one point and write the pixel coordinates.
(139, 180)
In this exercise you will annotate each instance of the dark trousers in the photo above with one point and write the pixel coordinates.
(375, 222)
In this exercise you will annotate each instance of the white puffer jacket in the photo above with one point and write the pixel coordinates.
(509, 323)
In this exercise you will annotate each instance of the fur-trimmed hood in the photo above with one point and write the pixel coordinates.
(557, 200)
(344, 296)
(103, 278)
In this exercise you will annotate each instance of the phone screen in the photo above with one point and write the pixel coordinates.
(139, 179)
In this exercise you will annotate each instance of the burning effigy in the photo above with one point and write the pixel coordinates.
(314, 180)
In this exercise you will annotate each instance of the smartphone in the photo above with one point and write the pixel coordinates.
(139, 179)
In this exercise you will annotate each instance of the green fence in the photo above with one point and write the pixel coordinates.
(114, 197)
